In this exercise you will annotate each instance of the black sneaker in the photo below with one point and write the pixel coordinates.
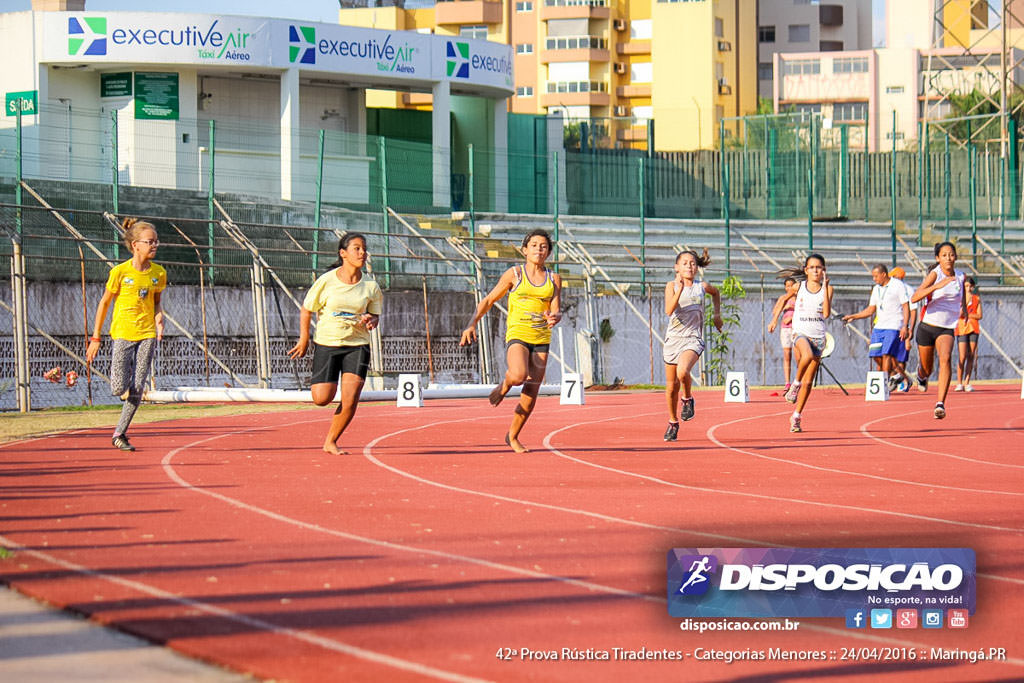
(894, 383)
(921, 382)
(672, 432)
(121, 442)
(686, 409)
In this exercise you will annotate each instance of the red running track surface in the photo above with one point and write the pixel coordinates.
(431, 546)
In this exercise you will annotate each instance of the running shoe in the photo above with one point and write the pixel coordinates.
(792, 392)
(905, 385)
(940, 411)
(958, 387)
(921, 382)
(894, 383)
(686, 409)
(969, 387)
(121, 443)
(794, 424)
(672, 432)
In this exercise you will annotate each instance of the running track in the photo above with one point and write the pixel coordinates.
(430, 546)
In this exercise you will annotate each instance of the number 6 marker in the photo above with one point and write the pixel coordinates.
(736, 390)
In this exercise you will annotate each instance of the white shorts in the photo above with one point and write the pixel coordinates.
(675, 346)
(786, 337)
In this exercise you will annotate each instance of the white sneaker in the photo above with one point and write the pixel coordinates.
(969, 388)
(958, 387)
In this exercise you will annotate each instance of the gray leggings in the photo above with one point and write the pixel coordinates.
(129, 369)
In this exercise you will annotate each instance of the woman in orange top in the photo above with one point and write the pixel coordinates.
(967, 331)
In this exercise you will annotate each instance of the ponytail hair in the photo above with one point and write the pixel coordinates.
(133, 228)
(940, 245)
(343, 244)
(797, 273)
(702, 260)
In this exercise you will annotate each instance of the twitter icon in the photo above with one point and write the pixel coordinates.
(881, 618)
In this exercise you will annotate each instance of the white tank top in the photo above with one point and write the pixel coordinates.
(942, 307)
(687, 320)
(807, 318)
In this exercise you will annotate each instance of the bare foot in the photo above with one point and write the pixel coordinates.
(496, 394)
(333, 449)
(515, 445)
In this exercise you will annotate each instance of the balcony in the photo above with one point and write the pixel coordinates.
(576, 93)
(634, 47)
(575, 49)
(471, 12)
(632, 134)
(638, 90)
(574, 9)
(830, 15)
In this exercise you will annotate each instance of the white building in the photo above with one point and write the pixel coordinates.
(785, 26)
(165, 76)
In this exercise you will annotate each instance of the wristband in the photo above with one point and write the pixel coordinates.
(95, 339)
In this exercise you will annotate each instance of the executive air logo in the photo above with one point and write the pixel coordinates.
(88, 32)
(817, 582)
(305, 37)
(458, 59)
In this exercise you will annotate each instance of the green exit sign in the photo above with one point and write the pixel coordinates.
(27, 101)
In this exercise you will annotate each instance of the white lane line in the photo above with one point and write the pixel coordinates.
(251, 622)
(834, 470)
(864, 429)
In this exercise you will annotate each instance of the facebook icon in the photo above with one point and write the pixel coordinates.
(856, 618)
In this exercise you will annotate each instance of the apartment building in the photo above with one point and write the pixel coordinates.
(685, 65)
(785, 26)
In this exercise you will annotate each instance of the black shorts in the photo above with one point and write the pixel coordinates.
(970, 338)
(926, 334)
(330, 362)
(532, 348)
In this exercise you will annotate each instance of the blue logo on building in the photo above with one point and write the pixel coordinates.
(303, 44)
(90, 32)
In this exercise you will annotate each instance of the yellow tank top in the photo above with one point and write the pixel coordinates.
(527, 304)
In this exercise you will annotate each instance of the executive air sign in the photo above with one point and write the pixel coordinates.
(156, 38)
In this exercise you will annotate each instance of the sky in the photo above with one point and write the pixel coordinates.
(311, 10)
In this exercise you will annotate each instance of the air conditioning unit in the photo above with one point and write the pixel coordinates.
(620, 67)
(619, 24)
(724, 46)
(621, 111)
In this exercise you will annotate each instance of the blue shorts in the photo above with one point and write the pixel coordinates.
(885, 343)
(817, 345)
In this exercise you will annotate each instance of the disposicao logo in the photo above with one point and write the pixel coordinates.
(305, 36)
(90, 32)
(817, 582)
(458, 59)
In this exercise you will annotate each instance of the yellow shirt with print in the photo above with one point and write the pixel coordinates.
(339, 306)
(134, 315)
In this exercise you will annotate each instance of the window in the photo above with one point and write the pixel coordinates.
(809, 108)
(524, 91)
(850, 111)
(766, 34)
(850, 65)
(524, 48)
(799, 33)
(894, 90)
(764, 71)
(477, 32)
(799, 67)
(719, 28)
(524, 6)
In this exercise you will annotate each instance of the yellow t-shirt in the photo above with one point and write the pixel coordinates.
(338, 307)
(527, 304)
(134, 308)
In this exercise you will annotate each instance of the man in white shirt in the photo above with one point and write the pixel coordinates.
(890, 301)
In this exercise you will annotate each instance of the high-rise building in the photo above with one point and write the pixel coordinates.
(809, 26)
(685, 65)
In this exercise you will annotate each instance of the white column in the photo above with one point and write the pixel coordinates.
(500, 145)
(442, 139)
(289, 133)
